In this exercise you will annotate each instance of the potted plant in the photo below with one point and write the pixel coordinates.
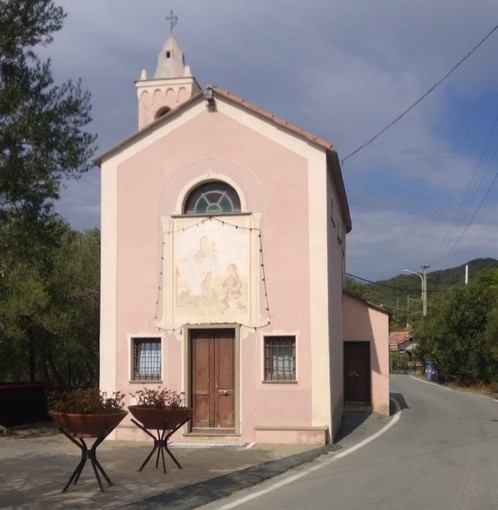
(160, 408)
(86, 412)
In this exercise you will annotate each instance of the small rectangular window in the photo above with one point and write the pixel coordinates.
(146, 359)
(280, 358)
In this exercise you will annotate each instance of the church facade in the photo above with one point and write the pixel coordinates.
(223, 262)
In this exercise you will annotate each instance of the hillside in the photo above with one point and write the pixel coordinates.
(401, 295)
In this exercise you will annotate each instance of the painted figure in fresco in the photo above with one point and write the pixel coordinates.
(231, 288)
(202, 268)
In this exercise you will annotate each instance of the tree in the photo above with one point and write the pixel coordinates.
(42, 140)
(356, 288)
(49, 311)
(73, 317)
(460, 332)
(42, 143)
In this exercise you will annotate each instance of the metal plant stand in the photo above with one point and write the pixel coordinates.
(87, 454)
(161, 442)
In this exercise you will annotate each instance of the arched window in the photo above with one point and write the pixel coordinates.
(162, 111)
(212, 197)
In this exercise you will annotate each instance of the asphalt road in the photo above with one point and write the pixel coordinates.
(441, 455)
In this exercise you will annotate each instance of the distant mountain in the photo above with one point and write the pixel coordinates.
(401, 295)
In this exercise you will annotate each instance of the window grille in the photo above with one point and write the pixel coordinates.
(146, 359)
(280, 358)
(212, 197)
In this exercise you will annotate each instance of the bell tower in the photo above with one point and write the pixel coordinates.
(171, 85)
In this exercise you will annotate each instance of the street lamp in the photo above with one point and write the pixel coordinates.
(423, 280)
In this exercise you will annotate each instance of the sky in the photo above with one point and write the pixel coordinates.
(422, 193)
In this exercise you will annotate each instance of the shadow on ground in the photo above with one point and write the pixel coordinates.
(350, 422)
(400, 399)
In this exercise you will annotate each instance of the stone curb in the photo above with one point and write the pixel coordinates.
(195, 495)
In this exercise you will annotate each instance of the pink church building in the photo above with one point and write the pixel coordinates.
(222, 268)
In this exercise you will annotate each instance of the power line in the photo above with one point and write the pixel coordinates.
(420, 99)
(491, 184)
(402, 289)
(471, 191)
(378, 284)
(461, 215)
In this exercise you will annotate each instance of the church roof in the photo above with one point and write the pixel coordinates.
(225, 94)
(271, 117)
(332, 158)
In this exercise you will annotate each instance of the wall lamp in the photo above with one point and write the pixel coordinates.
(208, 95)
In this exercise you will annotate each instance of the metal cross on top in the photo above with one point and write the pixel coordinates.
(173, 20)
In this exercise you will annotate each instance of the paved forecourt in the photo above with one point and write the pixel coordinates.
(36, 463)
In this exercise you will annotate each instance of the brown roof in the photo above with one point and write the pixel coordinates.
(398, 337)
(273, 118)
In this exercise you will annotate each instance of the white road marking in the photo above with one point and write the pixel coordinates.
(315, 467)
(436, 385)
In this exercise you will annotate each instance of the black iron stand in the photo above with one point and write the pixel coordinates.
(161, 443)
(87, 453)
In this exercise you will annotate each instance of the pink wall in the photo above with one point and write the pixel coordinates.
(148, 187)
(336, 255)
(363, 322)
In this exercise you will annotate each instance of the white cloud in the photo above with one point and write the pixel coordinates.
(343, 69)
(384, 243)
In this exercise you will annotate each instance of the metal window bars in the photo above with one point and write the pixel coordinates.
(280, 358)
(146, 359)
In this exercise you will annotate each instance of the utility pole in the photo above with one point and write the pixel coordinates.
(407, 310)
(424, 270)
(423, 280)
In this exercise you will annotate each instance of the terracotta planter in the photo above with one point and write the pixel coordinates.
(164, 418)
(87, 425)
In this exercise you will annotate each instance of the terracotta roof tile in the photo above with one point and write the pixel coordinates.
(270, 116)
(398, 337)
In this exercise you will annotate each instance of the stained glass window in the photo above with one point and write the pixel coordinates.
(212, 197)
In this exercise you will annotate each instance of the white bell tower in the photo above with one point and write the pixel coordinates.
(171, 85)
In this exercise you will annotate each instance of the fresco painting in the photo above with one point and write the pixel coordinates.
(212, 270)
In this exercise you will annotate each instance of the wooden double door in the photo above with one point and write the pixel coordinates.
(212, 370)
